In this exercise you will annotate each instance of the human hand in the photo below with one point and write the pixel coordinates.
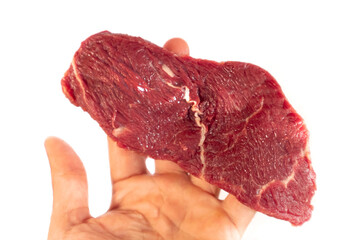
(167, 205)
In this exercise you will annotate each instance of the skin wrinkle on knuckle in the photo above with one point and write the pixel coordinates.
(78, 215)
(234, 225)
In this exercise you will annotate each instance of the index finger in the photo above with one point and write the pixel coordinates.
(124, 163)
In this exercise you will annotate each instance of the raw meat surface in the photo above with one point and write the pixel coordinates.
(228, 123)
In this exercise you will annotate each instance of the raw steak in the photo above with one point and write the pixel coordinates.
(228, 123)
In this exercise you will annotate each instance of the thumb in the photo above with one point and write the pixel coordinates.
(70, 189)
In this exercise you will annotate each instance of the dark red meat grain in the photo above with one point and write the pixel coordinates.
(227, 123)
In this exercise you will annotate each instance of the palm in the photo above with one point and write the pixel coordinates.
(164, 206)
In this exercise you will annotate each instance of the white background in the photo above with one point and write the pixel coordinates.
(310, 47)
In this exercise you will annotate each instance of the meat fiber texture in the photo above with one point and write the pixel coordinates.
(227, 123)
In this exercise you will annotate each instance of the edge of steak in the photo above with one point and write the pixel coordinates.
(228, 123)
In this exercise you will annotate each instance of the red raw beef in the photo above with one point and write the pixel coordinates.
(228, 123)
